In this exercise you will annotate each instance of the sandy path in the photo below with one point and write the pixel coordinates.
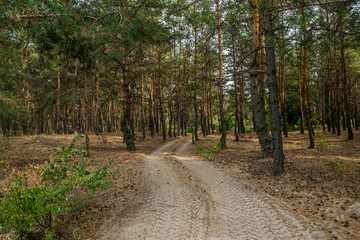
(188, 198)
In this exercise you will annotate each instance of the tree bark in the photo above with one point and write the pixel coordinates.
(305, 91)
(300, 92)
(151, 97)
(195, 81)
(260, 121)
(345, 92)
(237, 126)
(143, 127)
(161, 104)
(127, 124)
(278, 166)
(221, 88)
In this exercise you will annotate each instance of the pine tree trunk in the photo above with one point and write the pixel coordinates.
(300, 90)
(337, 97)
(357, 108)
(184, 110)
(175, 90)
(242, 103)
(259, 114)
(195, 81)
(203, 91)
(151, 97)
(161, 107)
(305, 91)
(236, 130)
(282, 78)
(66, 105)
(143, 127)
(345, 91)
(278, 166)
(221, 90)
(331, 92)
(58, 101)
(328, 102)
(86, 102)
(97, 100)
(127, 124)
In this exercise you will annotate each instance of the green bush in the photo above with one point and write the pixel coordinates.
(23, 207)
(321, 142)
(230, 122)
(342, 168)
(200, 151)
(217, 147)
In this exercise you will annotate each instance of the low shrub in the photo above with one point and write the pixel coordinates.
(28, 204)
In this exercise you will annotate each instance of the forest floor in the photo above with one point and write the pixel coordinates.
(318, 185)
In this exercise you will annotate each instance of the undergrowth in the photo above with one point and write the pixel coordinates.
(320, 139)
(35, 201)
(201, 150)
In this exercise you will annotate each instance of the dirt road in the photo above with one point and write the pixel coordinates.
(188, 198)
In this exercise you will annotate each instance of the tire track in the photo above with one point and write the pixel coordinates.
(239, 213)
(172, 210)
(187, 198)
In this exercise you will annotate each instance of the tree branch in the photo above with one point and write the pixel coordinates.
(56, 15)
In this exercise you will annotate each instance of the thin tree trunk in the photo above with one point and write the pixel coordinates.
(329, 86)
(195, 81)
(221, 90)
(345, 91)
(236, 132)
(357, 108)
(58, 101)
(143, 128)
(300, 90)
(151, 97)
(282, 83)
(179, 96)
(97, 101)
(86, 102)
(242, 103)
(184, 110)
(66, 105)
(203, 90)
(305, 90)
(337, 97)
(127, 124)
(162, 117)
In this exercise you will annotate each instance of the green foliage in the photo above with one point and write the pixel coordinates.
(230, 122)
(2, 158)
(316, 121)
(27, 204)
(200, 151)
(10, 113)
(189, 130)
(217, 147)
(49, 235)
(320, 139)
(342, 168)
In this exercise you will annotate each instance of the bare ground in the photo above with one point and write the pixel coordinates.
(314, 185)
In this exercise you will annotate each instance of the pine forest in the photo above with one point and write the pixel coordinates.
(238, 79)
